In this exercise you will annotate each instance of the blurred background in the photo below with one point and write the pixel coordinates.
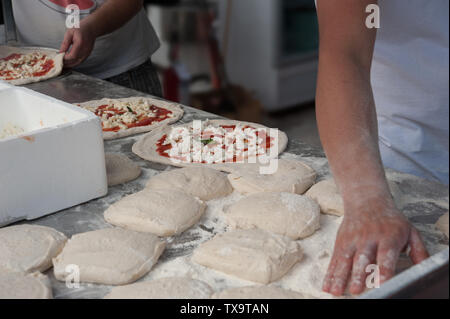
(253, 60)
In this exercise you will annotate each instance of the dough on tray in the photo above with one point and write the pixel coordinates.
(29, 248)
(120, 169)
(160, 212)
(259, 292)
(254, 255)
(14, 285)
(442, 224)
(291, 176)
(202, 182)
(292, 215)
(164, 288)
(327, 195)
(111, 256)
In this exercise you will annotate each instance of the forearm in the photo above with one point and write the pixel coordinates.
(112, 15)
(348, 129)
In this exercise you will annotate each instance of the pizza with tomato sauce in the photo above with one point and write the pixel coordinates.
(220, 144)
(22, 65)
(129, 116)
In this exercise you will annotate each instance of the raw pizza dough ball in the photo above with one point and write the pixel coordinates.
(110, 256)
(287, 214)
(442, 224)
(254, 255)
(327, 195)
(262, 292)
(202, 182)
(160, 212)
(29, 248)
(120, 169)
(291, 177)
(24, 286)
(165, 288)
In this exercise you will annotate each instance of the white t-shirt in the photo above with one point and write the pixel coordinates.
(43, 23)
(410, 80)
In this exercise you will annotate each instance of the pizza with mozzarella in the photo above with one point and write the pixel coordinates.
(21, 65)
(129, 116)
(220, 144)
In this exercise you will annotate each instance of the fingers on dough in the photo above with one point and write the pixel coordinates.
(202, 182)
(287, 214)
(254, 255)
(165, 288)
(160, 212)
(291, 176)
(120, 169)
(111, 256)
(29, 248)
(15, 285)
(259, 292)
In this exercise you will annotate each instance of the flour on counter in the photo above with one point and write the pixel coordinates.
(10, 130)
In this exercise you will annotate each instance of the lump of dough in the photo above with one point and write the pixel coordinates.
(202, 182)
(292, 215)
(442, 224)
(15, 285)
(327, 195)
(120, 169)
(254, 255)
(291, 177)
(165, 288)
(259, 292)
(160, 212)
(110, 256)
(29, 248)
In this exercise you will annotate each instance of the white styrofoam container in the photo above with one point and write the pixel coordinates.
(58, 162)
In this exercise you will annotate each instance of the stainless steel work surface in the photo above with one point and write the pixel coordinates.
(427, 200)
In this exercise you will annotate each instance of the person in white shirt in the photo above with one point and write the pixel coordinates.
(382, 100)
(115, 39)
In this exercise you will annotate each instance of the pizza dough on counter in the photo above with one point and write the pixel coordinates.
(254, 255)
(290, 176)
(327, 195)
(202, 182)
(160, 212)
(165, 288)
(442, 224)
(24, 286)
(29, 248)
(120, 169)
(110, 256)
(287, 214)
(259, 292)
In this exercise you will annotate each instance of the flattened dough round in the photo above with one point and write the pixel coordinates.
(442, 224)
(120, 169)
(287, 214)
(110, 256)
(254, 255)
(202, 182)
(291, 177)
(29, 248)
(24, 286)
(259, 292)
(165, 288)
(327, 195)
(160, 212)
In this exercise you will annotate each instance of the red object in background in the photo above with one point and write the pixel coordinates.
(82, 4)
(171, 83)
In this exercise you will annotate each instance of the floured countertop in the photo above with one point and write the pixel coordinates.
(424, 202)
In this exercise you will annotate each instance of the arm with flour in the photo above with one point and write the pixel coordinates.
(373, 230)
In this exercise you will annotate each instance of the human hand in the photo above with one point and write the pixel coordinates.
(78, 44)
(373, 234)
